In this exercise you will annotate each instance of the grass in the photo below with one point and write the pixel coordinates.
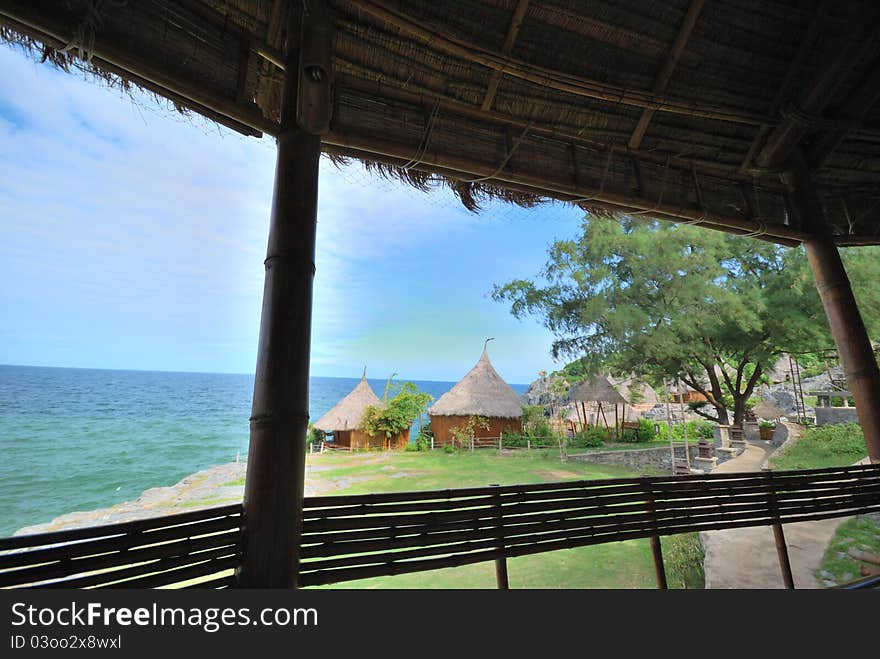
(824, 446)
(861, 532)
(363, 473)
(615, 565)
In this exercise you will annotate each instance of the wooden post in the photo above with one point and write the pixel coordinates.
(684, 429)
(669, 426)
(273, 496)
(656, 550)
(779, 535)
(500, 563)
(847, 326)
(500, 441)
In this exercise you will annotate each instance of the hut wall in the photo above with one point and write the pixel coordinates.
(441, 425)
(360, 440)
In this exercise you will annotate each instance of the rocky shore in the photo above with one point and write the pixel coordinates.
(214, 486)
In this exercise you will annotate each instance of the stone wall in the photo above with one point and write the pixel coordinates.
(829, 415)
(657, 458)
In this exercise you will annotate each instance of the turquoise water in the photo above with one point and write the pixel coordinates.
(80, 439)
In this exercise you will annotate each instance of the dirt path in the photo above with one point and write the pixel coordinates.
(746, 558)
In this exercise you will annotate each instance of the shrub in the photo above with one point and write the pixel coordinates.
(448, 449)
(592, 437)
(695, 429)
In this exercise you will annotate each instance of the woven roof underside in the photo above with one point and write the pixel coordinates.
(682, 109)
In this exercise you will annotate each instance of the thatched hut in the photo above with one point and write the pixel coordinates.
(344, 421)
(601, 395)
(482, 393)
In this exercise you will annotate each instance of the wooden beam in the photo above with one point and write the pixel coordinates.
(784, 139)
(847, 326)
(394, 90)
(550, 78)
(806, 46)
(662, 79)
(855, 108)
(518, 14)
(553, 187)
(273, 496)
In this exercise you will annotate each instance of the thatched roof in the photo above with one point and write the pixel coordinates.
(685, 110)
(347, 413)
(596, 389)
(767, 411)
(628, 386)
(481, 392)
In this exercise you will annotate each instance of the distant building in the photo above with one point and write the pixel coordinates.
(483, 393)
(344, 421)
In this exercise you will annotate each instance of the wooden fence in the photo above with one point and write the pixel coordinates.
(148, 553)
(359, 536)
(355, 537)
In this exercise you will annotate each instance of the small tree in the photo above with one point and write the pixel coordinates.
(398, 413)
(466, 432)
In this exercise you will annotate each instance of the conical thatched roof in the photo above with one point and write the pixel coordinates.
(596, 389)
(767, 410)
(627, 387)
(481, 392)
(347, 413)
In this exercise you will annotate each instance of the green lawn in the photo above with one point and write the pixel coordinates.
(824, 446)
(363, 473)
(616, 565)
(861, 532)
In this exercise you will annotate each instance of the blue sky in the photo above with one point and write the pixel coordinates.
(134, 237)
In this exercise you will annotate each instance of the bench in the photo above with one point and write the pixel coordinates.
(631, 425)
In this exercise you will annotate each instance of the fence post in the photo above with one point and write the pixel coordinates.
(432, 443)
(501, 442)
(500, 563)
(528, 445)
(656, 549)
(778, 535)
(472, 444)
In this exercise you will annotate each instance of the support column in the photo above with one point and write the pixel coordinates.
(273, 497)
(847, 326)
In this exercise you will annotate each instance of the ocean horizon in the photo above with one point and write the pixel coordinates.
(76, 439)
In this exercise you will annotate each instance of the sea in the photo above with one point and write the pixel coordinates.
(75, 439)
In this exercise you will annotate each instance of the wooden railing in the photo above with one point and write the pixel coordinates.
(359, 536)
(356, 537)
(202, 547)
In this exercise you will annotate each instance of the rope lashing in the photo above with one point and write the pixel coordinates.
(506, 160)
(793, 112)
(601, 183)
(426, 137)
(83, 40)
(662, 191)
(700, 199)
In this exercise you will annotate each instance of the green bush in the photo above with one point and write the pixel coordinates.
(592, 437)
(314, 435)
(448, 449)
(695, 429)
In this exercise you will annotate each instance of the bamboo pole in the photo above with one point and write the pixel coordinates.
(669, 426)
(684, 429)
(273, 497)
(847, 326)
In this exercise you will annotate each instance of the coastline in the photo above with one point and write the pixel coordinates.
(214, 486)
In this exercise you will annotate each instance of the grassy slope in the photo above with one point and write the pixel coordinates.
(618, 565)
(825, 446)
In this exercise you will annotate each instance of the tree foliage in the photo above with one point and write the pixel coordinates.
(397, 413)
(667, 300)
